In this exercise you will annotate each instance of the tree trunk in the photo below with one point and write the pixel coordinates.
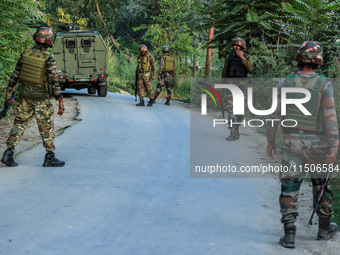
(249, 27)
(278, 38)
(110, 35)
(210, 37)
(194, 65)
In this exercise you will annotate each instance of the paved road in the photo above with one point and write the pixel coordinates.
(126, 190)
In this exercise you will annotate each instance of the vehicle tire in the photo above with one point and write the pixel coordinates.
(102, 90)
(91, 90)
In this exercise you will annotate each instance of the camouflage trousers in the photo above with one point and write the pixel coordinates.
(144, 83)
(43, 111)
(165, 80)
(302, 153)
(231, 117)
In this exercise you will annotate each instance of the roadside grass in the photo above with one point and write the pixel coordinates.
(335, 184)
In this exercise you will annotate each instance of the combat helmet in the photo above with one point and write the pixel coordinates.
(143, 48)
(165, 48)
(44, 35)
(239, 42)
(310, 52)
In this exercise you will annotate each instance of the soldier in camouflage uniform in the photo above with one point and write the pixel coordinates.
(37, 73)
(237, 65)
(146, 65)
(166, 74)
(314, 141)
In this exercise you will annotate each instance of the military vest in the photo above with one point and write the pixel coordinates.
(168, 64)
(144, 63)
(315, 85)
(33, 74)
(235, 67)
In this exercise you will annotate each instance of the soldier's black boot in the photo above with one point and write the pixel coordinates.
(8, 158)
(232, 136)
(141, 103)
(150, 103)
(155, 96)
(288, 241)
(237, 133)
(52, 161)
(167, 101)
(326, 229)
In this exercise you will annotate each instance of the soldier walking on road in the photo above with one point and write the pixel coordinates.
(146, 65)
(37, 73)
(237, 65)
(166, 75)
(312, 143)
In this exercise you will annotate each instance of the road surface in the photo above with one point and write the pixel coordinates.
(126, 190)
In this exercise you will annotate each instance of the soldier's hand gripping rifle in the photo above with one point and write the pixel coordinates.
(321, 193)
(8, 105)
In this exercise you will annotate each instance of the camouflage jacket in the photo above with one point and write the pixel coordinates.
(51, 69)
(328, 110)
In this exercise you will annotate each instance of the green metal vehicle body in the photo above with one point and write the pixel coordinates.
(81, 59)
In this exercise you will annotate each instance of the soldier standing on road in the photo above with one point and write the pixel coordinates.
(314, 141)
(237, 65)
(166, 75)
(146, 65)
(37, 73)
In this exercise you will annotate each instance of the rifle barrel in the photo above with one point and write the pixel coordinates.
(321, 193)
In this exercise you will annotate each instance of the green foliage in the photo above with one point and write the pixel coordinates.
(246, 19)
(280, 21)
(182, 89)
(273, 62)
(131, 14)
(15, 34)
(308, 20)
(169, 28)
(335, 185)
(121, 72)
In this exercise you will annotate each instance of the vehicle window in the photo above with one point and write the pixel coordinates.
(70, 43)
(86, 43)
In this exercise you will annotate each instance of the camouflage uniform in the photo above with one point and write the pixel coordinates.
(41, 107)
(143, 76)
(165, 78)
(235, 67)
(306, 147)
(301, 146)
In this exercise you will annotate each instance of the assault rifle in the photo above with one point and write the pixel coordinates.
(321, 193)
(7, 105)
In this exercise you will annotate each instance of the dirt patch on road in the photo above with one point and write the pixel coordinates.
(31, 136)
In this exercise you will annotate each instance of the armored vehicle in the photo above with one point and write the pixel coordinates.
(81, 59)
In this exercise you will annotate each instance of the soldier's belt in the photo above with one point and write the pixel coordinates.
(303, 132)
(144, 71)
